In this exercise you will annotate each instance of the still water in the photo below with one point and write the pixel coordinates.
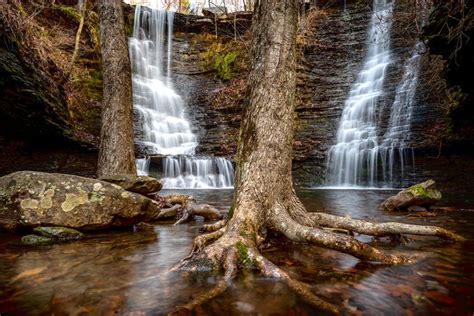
(126, 272)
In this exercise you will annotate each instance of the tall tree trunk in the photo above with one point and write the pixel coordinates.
(264, 197)
(116, 152)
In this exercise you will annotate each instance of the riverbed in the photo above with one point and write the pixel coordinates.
(127, 271)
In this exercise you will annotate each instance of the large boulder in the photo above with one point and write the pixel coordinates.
(421, 194)
(138, 184)
(31, 199)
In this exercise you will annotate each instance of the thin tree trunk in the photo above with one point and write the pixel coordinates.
(116, 152)
(81, 7)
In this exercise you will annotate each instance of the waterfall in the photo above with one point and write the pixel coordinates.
(396, 139)
(364, 155)
(353, 160)
(163, 127)
(198, 173)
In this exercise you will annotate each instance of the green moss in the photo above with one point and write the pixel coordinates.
(425, 190)
(243, 258)
(93, 85)
(22, 10)
(35, 240)
(68, 11)
(61, 233)
(223, 64)
(231, 211)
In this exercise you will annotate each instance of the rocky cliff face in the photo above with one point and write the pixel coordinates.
(31, 98)
(37, 102)
(332, 51)
(45, 95)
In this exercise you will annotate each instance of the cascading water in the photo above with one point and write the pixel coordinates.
(163, 127)
(362, 156)
(395, 146)
(356, 150)
(189, 172)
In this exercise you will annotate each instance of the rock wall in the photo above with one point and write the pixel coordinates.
(332, 50)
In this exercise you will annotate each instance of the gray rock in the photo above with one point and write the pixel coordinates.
(423, 194)
(32, 199)
(138, 184)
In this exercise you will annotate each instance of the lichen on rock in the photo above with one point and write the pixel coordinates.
(421, 194)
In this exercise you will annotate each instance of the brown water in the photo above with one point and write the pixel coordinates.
(126, 272)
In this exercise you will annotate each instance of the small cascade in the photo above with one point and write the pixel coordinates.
(353, 160)
(143, 166)
(197, 173)
(163, 128)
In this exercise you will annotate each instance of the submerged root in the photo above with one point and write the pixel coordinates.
(240, 253)
(381, 229)
(230, 268)
(235, 247)
(270, 270)
(283, 223)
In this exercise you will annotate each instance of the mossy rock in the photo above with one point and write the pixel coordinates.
(61, 233)
(35, 240)
(425, 189)
(422, 194)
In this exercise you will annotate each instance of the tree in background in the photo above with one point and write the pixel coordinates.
(116, 151)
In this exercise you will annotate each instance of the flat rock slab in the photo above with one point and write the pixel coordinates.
(32, 199)
(138, 184)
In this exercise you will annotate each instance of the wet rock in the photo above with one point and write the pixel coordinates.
(61, 233)
(143, 227)
(35, 240)
(436, 208)
(138, 184)
(32, 199)
(421, 194)
(416, 208)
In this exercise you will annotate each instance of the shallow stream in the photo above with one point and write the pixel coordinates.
(126, 272)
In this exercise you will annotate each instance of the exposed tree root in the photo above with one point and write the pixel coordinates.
(283, 223)
(233, 253)
(180, 199)
(381, 229)
(232, 248)
(230, 267)
(201, 240)
(184, 207)
(270, 270)
(209, 228)
(168, 213)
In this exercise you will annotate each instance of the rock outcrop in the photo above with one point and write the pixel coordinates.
(138, 184)
(31, 199)
(422, 194)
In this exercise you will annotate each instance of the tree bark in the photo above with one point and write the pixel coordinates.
(116, 152)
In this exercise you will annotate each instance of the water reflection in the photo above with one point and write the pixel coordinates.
(126, 271)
